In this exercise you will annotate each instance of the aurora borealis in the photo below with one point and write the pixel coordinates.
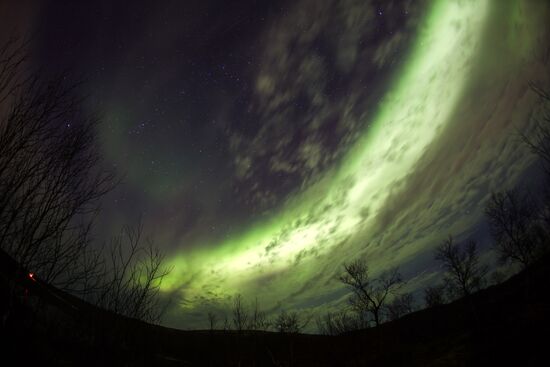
(264, 144)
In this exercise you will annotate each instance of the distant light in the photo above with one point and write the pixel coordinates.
(31, 275)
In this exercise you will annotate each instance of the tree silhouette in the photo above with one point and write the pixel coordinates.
(369, 295)
(50, 176)
(539, 141)
(539, 144)
(133, 276)
(226, 322)
(289, 322)
(336, 323)
(258, 318)
(51, 182)
(240, 313)
(513, 221)
(464, 275)
(212, 320)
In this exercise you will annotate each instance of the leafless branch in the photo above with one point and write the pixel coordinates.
(464, 273)
(369, 295)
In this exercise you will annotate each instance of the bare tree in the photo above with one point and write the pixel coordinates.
(464, 275)
(133, 277)
(514, 227)
(258, 318)
(226, 322)
(240, 313)
(51, 183)
(290, 322)
(336, 323)
(50, 180)
(434, 295)
(369, 295)
(539, 143)
(400, 306)
(212, 320)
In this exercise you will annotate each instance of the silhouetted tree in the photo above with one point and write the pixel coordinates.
(258, 318)
(226, 322)
(240, 313)
(539, 143)
(513, 221)
(369, 295)
(539, 140)
(289, 322)
(400, 306)
(434, 295)
(212, 320)
(464, 275)
(50, 180)
(133, 276)
(336, 323)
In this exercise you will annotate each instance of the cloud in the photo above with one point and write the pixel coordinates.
(400, 220)
(319, 77)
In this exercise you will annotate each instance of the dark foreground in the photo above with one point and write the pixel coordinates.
(503, 325)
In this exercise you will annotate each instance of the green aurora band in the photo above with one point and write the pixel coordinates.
(326, 218)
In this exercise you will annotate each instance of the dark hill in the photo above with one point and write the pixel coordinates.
(503, 325)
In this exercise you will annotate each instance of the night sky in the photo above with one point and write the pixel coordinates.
(265, 143)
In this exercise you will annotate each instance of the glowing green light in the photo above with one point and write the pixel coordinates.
(408, 119)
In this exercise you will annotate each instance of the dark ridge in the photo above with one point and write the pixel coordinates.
(501, 325)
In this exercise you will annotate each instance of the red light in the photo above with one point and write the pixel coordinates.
(31, 275)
